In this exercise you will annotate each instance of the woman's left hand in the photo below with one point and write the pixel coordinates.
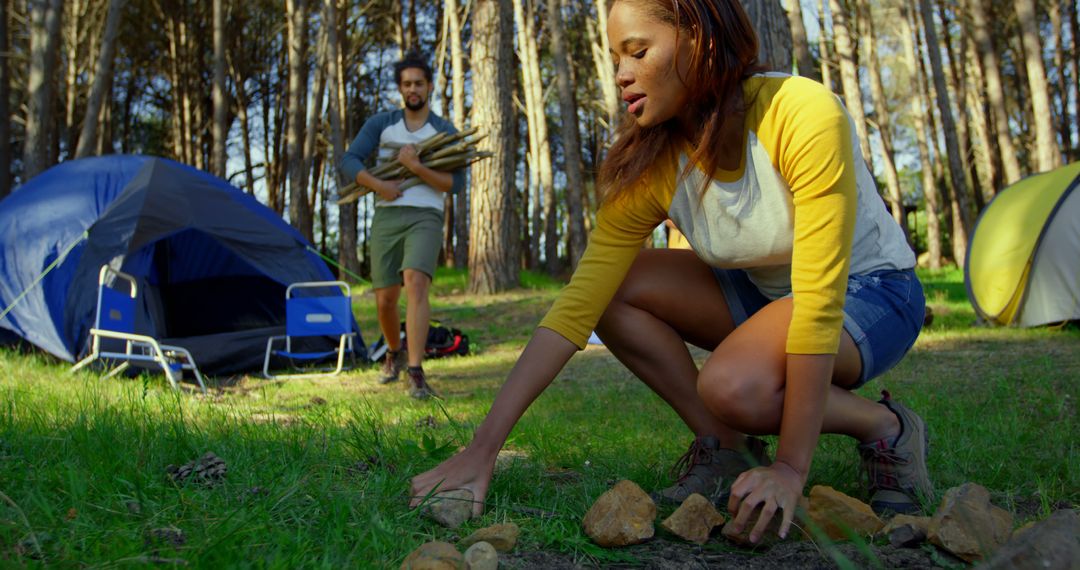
(774, 488)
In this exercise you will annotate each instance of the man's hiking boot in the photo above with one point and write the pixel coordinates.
(896, 470)
(393, 363)
(418, 386)
(709, 470)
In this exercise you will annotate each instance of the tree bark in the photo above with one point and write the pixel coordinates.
(919, 112)
(774, 33)
(41, 85)
(5, 97)
(601, 52)
(575, 182)
(1048, 154)
(88, 138)
(347, 213)
(824, 55)
(299, 210)
(881, 111)
(1073, 17)
(980, 121)
(220, 97)
(849, 76)
(526, 55)
(493, 255)
(952, 149)
(980, 27)
(799, 43)
(457, 70)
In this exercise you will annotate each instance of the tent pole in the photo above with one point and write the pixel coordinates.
(51, 266)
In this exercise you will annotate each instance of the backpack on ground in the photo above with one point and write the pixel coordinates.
(441, 341)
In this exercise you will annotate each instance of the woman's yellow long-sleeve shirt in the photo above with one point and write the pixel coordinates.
(801, 213)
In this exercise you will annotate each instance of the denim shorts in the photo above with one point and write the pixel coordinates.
(883, 313)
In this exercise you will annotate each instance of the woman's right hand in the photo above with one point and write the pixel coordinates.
(470, 470)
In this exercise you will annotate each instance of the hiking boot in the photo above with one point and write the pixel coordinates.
(896, 470)
(709, 470)
(418, 386)
(393, 363)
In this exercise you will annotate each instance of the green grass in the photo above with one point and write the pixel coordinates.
(318, 469)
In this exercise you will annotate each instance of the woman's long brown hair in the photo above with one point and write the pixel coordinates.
(724, 53)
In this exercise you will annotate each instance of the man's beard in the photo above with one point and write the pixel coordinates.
(419, 104)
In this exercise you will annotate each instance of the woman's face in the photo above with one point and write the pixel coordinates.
(645, 53)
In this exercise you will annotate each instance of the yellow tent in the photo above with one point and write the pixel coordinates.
(1023, 260)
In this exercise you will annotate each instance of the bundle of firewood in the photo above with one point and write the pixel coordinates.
(442, 151)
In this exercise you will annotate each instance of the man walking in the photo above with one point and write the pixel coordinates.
(406, 231)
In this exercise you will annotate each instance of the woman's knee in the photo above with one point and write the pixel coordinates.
(738, 395)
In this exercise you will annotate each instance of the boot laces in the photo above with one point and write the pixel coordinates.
(698, 454)
(881, 466)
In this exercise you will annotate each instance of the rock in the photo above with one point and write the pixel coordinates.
(771, 535)
(906, 530)
(694, 520)
(1053, 543)
(839, 516)
(620, 517)
(481, 556)
(968, 525)
(508, 457)
(503, 537)
(207, 470)
(434, 556)
(450, 508)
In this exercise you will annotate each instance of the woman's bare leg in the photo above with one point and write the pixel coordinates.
(670, 297)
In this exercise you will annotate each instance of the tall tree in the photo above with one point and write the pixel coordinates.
(221, 103)
(1048, 154)
(5, 97)
(799, 43)
(824, 55)
(45, 18)
(849, 75)
(601, 52)
(995, 93)
(88, 139)
(882, 116)
(919, 111)
(961, 194)
(493, 244)
(347, 213)
(571, 143)
(299, 211)
(774, 33)
(457, 70)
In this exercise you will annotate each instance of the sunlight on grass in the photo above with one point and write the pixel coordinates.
(318, 469)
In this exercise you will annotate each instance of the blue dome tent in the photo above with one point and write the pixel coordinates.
(213, 263)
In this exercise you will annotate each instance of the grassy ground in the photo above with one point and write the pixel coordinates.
(318, 469)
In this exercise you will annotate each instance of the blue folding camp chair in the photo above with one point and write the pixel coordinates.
(115, 320)
(314, 315)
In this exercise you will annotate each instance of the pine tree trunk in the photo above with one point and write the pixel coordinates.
(493, 255)
(299, 210)
(221, 102)
(1047, 151)
(347, 213)
(5, 97)
(952, 148)
(1061, 95)
(526, 55)
(601, 53)
(881, 110)
(980, 123)
(824, 55)
(1073, 17)
(88, 138)
(799, 43)
(575, 182)
(45, 18)
(315, 111)
(980, 28)
(849, 76)
(919, 112)
(457, 70)
(774, 33)
(75, 17)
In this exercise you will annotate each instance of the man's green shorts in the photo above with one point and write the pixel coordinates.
(404, 237)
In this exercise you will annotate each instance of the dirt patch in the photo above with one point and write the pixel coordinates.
(662, 553)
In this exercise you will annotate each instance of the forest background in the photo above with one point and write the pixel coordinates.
(952, 101)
